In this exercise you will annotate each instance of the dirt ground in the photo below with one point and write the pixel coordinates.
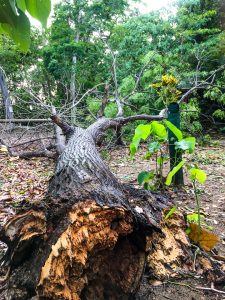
(27, 180)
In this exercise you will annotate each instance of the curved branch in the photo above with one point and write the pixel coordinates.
(102, 124)
(66, 129)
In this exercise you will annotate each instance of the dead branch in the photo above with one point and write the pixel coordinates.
(44, 152)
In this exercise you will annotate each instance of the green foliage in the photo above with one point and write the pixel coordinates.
(159, 131)
(173, 172)
(198, 174)
(173, 45)
(110, 110)
(170, 212)
(194, 218)
(186, 144)
(38, 9)
(15, 23)
(144, 178)
(154, 147)
(93, 105)
(127, 86)
(205, 140)
(219, 114)
(174, 130)
(141, 132)
(190, 114)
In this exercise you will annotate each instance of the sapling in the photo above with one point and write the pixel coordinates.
(197, 174)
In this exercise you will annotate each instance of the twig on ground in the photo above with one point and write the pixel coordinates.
(167, 297)
(182, 284)
(197, 288)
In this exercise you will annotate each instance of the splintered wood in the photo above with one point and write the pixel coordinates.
(169, 252)
(92, 257)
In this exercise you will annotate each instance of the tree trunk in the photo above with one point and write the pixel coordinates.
(6, 99)
(87, 238)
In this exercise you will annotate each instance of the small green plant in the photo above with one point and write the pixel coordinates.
(157, 134)
(197, 175)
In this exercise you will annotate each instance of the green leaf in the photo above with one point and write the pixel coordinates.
(13, 6)
(147, 155)
(145, 176)
(39, 9)
(171, 211)
(197, 174)
(194, 217)
(1, 29)
(154, 147)
(21, 4)
(143, 131)
(173, 172)
(133, 150)
(188, 231)
(174, 130)
(159, 130)
(16, 26)
(186, 144)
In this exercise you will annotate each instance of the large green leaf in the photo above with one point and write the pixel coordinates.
(159, 130)
(13, 6)
(21, 4)
(173, 172)
(197, 174)
(174, 130)
(133, 149)
(39, 9)
(186, 144)
(143, 131)
(17, 26)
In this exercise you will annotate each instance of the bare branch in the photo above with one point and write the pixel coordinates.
(66, 129)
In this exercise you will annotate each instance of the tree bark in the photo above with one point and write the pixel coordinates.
(88, 238)
(6, 99)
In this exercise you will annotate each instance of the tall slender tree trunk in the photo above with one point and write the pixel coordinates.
(7, 103)
(73, 90)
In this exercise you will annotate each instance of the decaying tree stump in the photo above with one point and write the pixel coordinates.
(90, 237)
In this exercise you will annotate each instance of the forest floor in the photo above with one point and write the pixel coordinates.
(27, 180)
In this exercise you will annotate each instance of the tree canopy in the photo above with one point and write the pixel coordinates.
(93, 43)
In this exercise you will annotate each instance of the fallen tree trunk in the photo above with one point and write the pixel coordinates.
(88, 239)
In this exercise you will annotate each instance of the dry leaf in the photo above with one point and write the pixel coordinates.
(205, 263)
(3, 148)
(155, 282)
(207, 239)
